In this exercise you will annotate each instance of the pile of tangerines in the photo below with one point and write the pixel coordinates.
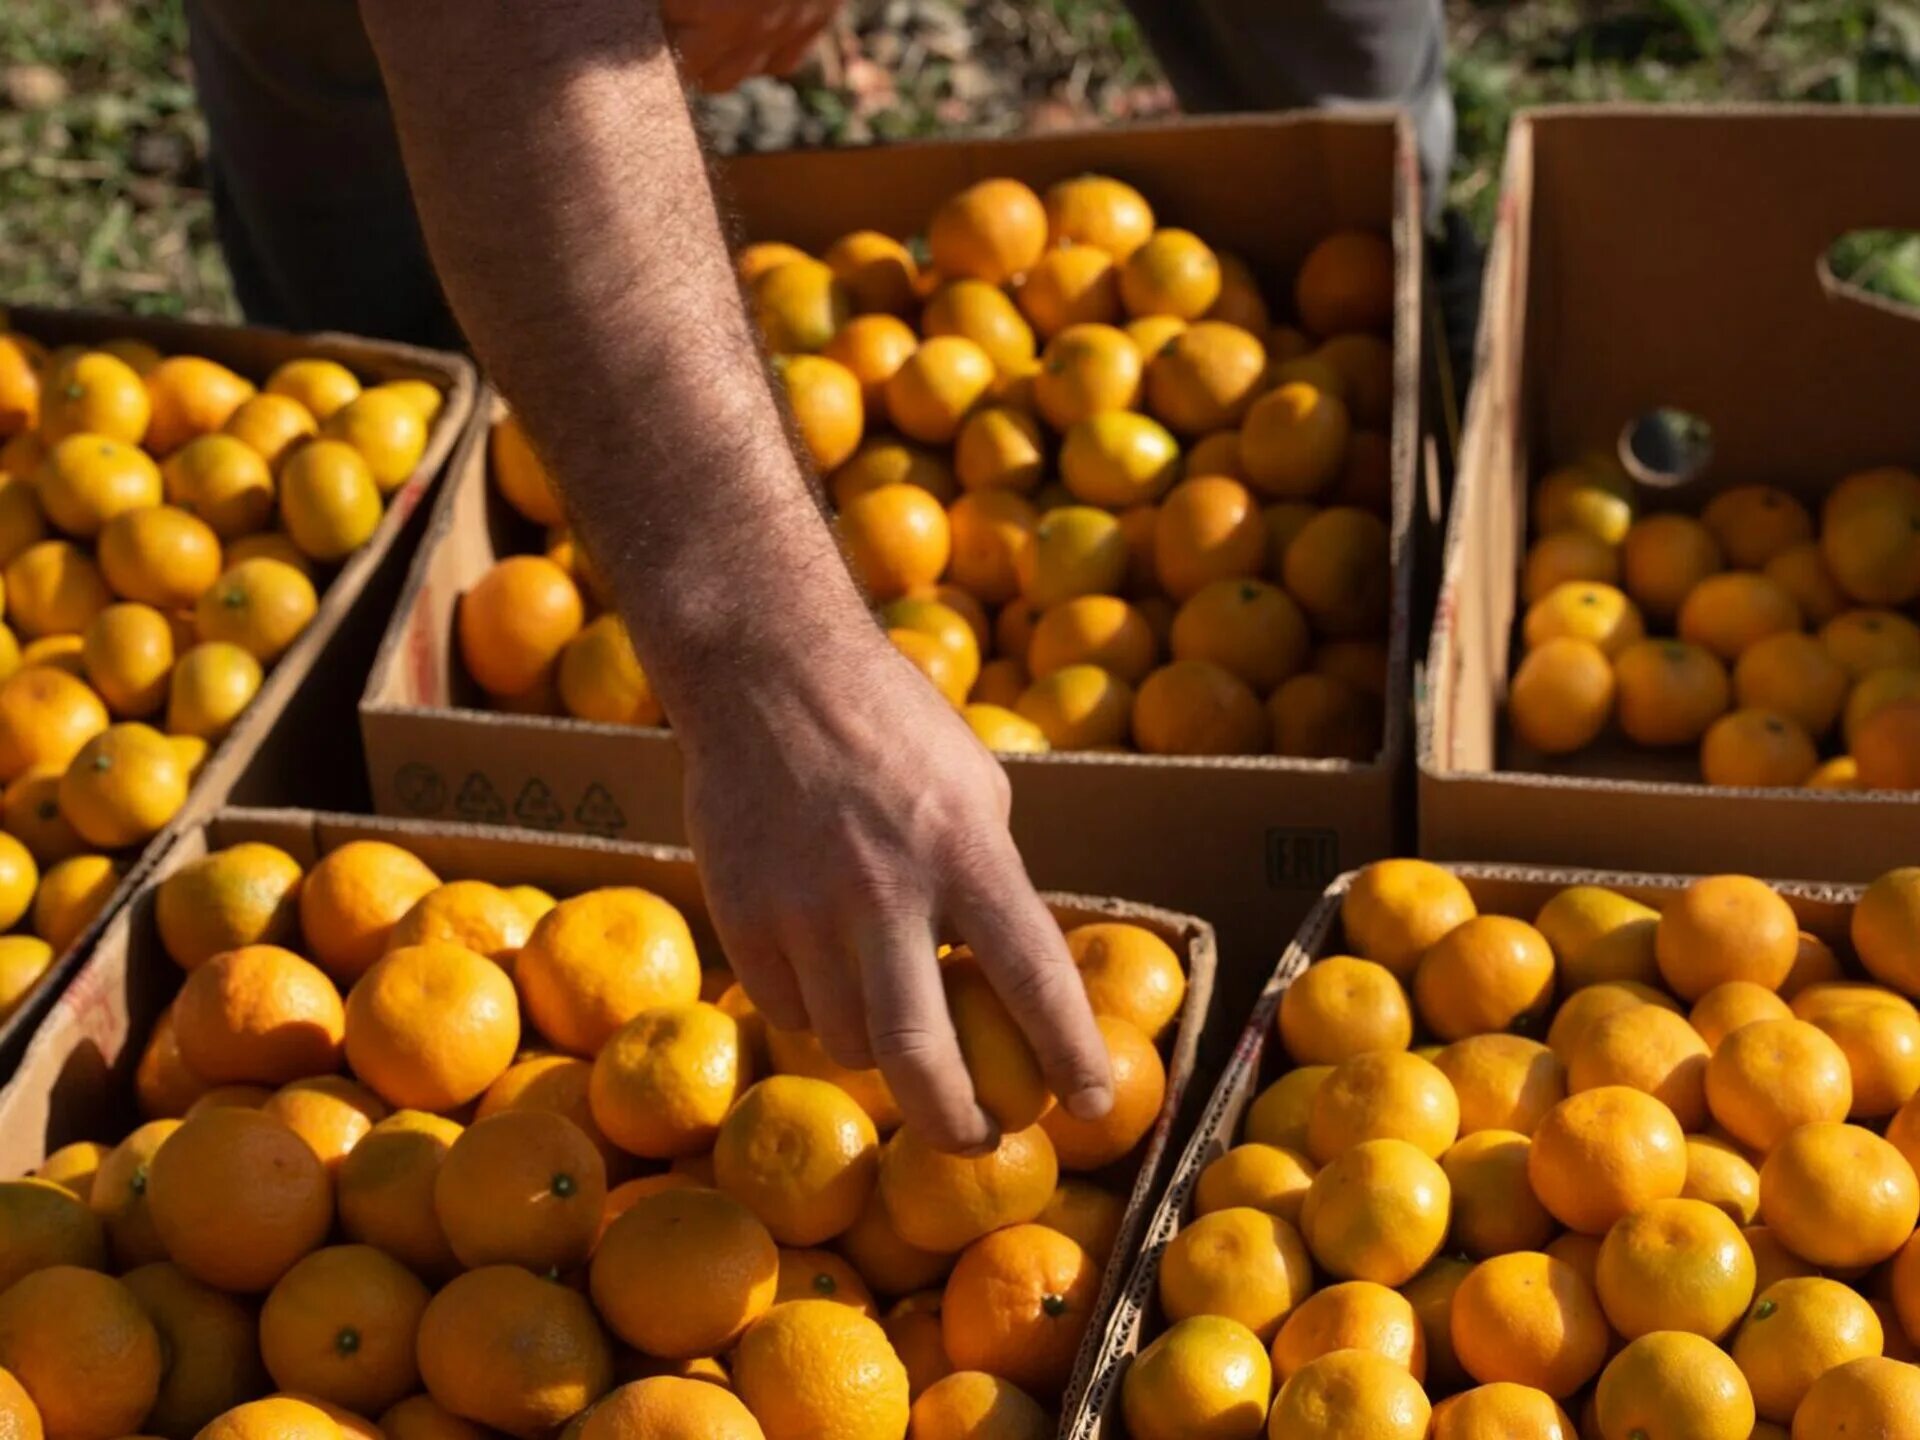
(1100, 498)
(1785, 641)
(161, 525)
(1653, 1166)
(440, 1161)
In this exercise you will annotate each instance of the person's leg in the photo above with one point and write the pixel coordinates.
(1224, 55)
(310, 197)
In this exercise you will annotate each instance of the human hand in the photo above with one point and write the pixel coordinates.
(842, 819)
(722, 42)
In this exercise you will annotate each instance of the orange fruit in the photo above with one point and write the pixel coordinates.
(1365, 364)
(1356, 1315)
(1205, 1375)
(1772, 1261)
(684, 1272)
(521, 1187)
(20, 384)
(1669, 692)
(211, 685)
(73, 1167)
(329, 500)
(825, 398)
(1868, 697)
(124, 786)
(757, 259)
(387, 429)
(1872, 546)
(942, 1203)
(1195, 707)
(1260, 1177)
(1207, 529)
(1486, 974)
(24, 959)
(1395, 909)
(1720, 1175)
(511, 1351)
(94, 393)
(85, 1354)
(799, 306)
(1793, 675)
(1864, 641)
(420, 1417)
(53, 588)
(1378, 1211)
(1647, 1048)
(71, 894)
(21, 521)
(210, 1344)
(596, 960)
(599, 677)
(1801, 570)
(1796, 1331)
(18, 878)
(1732, 611)
(1129, 973)
(896, 538)
(340, 1326)
(430, 1027)
(879, 272)
(1097, 211)
(1249, 627)
(1671, 1384)
(472, 913)
(320, 386)
(801, 1155)
(1757, 749)
(993, 230)
(1079, 707)
(1885, 928)
(521, 477)
(262, 606)
(351, 901)
(1838, 1195)
(1675, 1265)
(258, 1015)
(385, 1189)
(1754, 523)
(871, 348)
(194, 396)
(1594, 494)
(1004, 1072)
(999, 448)
(1092, 630)
(1351, 1392)
(1139, 1078)
(1772, 1076)
(1078, 286)
(1002, 731)
(668, 1407)
(1018, 1305)
(1726, 927)
(1886, 748)
(1118, 459)
(1599, 935)
(1494, 1211)
(1086, 370)
(1338, 569)
(1204, 378)
(557, 1084)
(1501, 1409)
(990, 530)
(47, 1225)
(1562, 695)
(243, 895)
(947, 627)
(1598, 613)
(1280, 1113)
(128, 655)
(664, 1081)
(515, 621)
(1529, 1319)
(1346, 283)
(1294, 441)
(799, 1052)
(1341, 1007)
(1727, 1007)
(937, 387)
(237, 1198)
(270, 425)
(1870, 1395)
(1570, 557)
(1502, 1082)
(816, 1368)
(884, 1259)
(1602, 1154)
(330, 1112)
(1219, 454)
(1172, 273)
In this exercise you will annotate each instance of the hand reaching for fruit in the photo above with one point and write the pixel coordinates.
(722, 42)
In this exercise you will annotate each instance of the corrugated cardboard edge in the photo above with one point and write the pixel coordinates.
(1821, 908)
(386, 678)
(253, 350)
(1448, 784)
(89, 1038)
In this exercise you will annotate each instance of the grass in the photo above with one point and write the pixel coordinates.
(103, 200)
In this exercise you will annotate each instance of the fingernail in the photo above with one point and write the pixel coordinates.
(1090, 1103)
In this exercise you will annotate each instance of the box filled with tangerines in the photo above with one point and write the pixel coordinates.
(1507, 1150)
(188, 514)
(1680, 610)
(1119, 432)
(443, 1131)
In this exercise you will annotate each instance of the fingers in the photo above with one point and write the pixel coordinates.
(833, 999)
(912, 1035)
(1021, 950)
(768, 980)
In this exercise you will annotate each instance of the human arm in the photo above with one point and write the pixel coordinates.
(843, 814)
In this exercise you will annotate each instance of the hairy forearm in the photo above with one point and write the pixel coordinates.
(568, 210)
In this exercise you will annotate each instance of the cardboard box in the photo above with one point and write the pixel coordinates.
(315, 670)
(1649, 258)
(75, 1080)
(1249, 843)
(1259, 1060)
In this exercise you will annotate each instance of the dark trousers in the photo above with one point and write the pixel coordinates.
(319, 228)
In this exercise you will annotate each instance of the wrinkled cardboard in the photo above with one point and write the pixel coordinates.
(75, 1080)
(1249, 843)
(1650, 257)
(321, 669)
(1258, 1060)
